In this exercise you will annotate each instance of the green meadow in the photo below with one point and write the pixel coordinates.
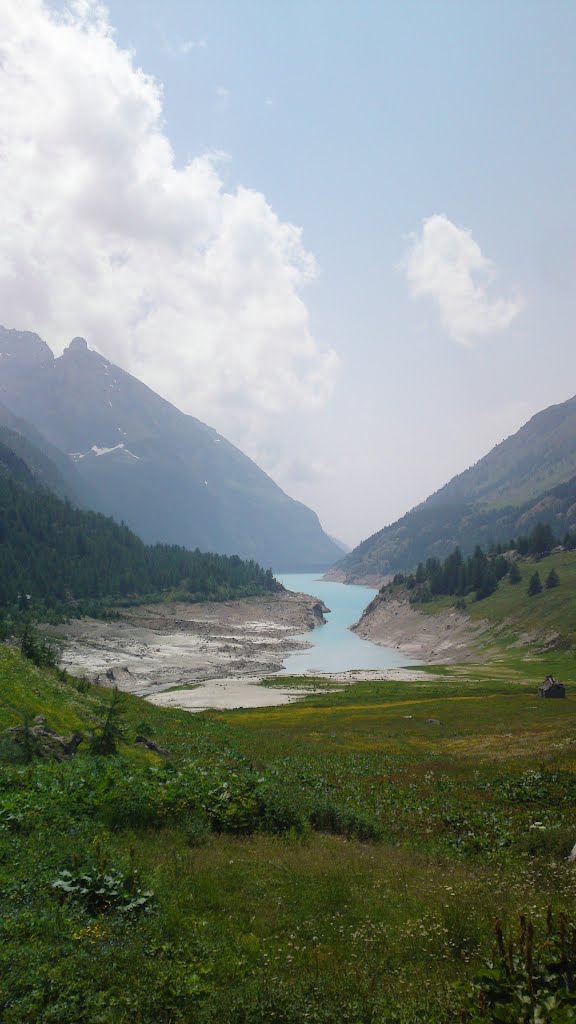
(341, 859)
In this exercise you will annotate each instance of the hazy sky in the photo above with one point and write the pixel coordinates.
(342, 233)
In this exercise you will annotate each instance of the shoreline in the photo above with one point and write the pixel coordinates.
(207, 655)
(215, 652)
(442, 638)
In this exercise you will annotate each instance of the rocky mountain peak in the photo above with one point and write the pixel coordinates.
(24, 348)
(78, 345)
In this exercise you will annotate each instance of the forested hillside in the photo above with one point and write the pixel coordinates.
(56, 559)
(522, 596)
(51, 466)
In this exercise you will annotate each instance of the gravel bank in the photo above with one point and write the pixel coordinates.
(444, 637)
(154, 649)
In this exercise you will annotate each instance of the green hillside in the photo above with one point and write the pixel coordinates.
(528, 477)
(548, 617)
(520, 621)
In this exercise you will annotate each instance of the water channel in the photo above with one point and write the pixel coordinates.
(335, 648)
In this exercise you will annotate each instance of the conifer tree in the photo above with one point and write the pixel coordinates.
(552, 580)
(107, 735)
(514, 574)
(535, 585)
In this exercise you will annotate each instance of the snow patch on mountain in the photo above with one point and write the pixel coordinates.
(97, 451)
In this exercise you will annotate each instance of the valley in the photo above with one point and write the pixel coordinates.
(229, 801)
(216, 655)
(287, 512)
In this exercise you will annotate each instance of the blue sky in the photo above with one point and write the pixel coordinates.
(358, 122)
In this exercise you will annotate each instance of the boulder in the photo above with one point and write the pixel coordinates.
(44, 742)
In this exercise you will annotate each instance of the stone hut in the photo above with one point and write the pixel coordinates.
(551, 688)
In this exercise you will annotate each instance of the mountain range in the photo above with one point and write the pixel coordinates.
(529, 477)
(109, 443)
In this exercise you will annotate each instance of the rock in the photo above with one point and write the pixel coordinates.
(434, 721)
(572, 857)
(318, 610)
(44, 742)
(71, 746)
(152, 746)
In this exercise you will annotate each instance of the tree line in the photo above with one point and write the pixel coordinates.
(59, 560)
(480, 573)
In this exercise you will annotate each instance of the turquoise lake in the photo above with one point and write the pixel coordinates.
(335, 648)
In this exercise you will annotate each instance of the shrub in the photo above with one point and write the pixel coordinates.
(280, 811)
(526, 981)
(343, 821)
(101, 889)
(196, 829)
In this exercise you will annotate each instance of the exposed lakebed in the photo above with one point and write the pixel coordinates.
(202, 656)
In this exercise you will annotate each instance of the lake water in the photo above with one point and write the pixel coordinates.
(335, 648)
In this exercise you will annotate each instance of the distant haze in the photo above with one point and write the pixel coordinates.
(343, 235)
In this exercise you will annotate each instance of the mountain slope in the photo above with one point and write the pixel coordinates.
(67, 560)
(527, 477)
(509, 618)
(49, 465)
(171, 477)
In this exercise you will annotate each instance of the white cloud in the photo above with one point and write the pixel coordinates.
(222, 97)
(446, 263)
(194, 288)
(183, 47)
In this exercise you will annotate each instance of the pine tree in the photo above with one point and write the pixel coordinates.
(487, 586)
(541, 539)
(514, 574)
(107, 735)
(552, 580)
(535, 585)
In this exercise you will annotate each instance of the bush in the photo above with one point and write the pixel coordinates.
(326, 816)
(101, 889)
(527, 981)
(197, 829)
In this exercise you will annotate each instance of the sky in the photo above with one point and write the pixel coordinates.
(343, 234)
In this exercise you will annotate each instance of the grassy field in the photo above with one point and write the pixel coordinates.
(342, 859)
